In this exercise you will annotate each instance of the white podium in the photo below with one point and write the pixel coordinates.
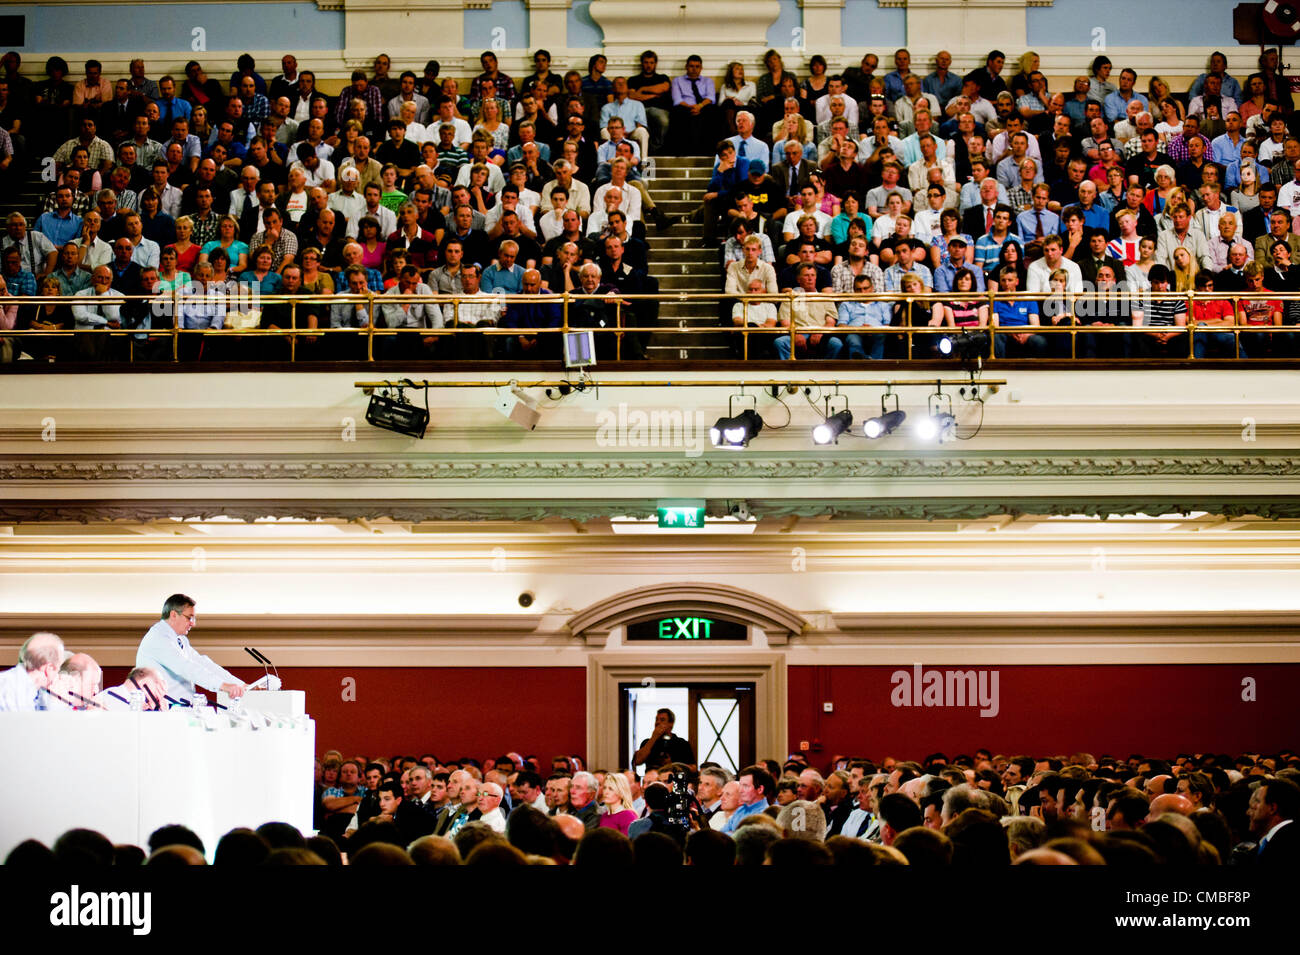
(271, 702)
(126, 774)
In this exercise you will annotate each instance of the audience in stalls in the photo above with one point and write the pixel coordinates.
(979, 810)
(1198, 175)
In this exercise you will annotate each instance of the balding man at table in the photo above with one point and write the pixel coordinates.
(22, 688)
(166, 648)
(146, 681)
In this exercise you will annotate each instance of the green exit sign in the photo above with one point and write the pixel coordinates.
(681, 514)
(687, 628)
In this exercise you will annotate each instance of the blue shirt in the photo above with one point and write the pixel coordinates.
(1225, 151)
(1115, 105)
(875, 314)
(894, 276)
(894, 85)
(945, 274)
(630, 111)
(988, 248)
(1232, 174)
(1027, 224)
(1013, 314)
(1097, 217)
(943, 90)
(58, 230)
(754, 148)
(496, 279)
(181, 666)
(24, 283)
(743, 812)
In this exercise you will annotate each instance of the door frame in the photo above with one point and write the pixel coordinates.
(605, 671)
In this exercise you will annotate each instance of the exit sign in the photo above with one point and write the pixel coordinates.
(687, 629)
(681, 514)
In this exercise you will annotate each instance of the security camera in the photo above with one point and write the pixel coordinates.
(526, 598)
(516, 406)
(740, 510)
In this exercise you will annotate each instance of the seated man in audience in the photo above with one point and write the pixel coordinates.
(806, 315)
(531, 315)
(98, 307)
(412, 822)
(876, 314)
(404, 315)
(22, 687)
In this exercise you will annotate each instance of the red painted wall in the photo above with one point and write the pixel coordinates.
(449, 711)
(1050, 710)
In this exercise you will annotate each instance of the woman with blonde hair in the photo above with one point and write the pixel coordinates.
(490, 122)
(616, 803)
(1185, 269)
(227, 241)
(1019, 84)
(1246, 195)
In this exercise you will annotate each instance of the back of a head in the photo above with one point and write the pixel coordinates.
(978, 839)
(850, 852)
(433, 850)
(175, 857)
(1023, 832)
(292, 855)
(1172, 844)
(470, 835)
(752, 843)
(924, 847)
(175, 835)
(1128, 848)
(495, 852)
(708, 847)
(376, 830)
(30, 854)
(83, 847)
(326, 848)
(281, 835)
(381, 854)
(604, 847)
(41, 650)
(531, 831)
(798, 852)
(899, 812)
(1080, 850)
(241, 847)
(802, 819)
(657, 848)
(127, 856)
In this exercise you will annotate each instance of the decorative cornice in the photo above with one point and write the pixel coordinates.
(752, 466)
(516, 509)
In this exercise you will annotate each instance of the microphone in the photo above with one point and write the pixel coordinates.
(265, 660)
(176, 702)
(260, 659)
(98, 706)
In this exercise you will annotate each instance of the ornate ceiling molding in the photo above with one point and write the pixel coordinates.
(809, 467)
(516, 510)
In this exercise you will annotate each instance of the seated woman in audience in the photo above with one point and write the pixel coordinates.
(222, 276)
(965, 310)
(227, 240)
(372, 243)
(314, 280)
(80, 160)
(481, 198)
(200, 124)
(949, 229)
(1245, 195)
(795, 128)
(347, 147)
(47, 317)
(915, 313)
(1171, 124)
(736, 94)
(394, 262)
(156, 225)
(616, 803)
(1011, 255)
(826, 202)
(768, 88)
(187, 253)
(1254, 96)
(816, 85)
(261, 273)
(1076, 239)
(850, 210)
(1185, 269)
(1057, 310)
(491, 122)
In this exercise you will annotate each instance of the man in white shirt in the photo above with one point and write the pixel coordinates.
(808, 207)
(166, 648)
(489, 805)
(1039, 273)
(22, 686)
(835, 87)
(447, 114)
(350, 203)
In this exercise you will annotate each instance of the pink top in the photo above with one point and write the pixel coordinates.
(619, 821)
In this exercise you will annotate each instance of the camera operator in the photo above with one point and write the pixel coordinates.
(663, 747)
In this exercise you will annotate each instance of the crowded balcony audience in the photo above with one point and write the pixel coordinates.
(914, 178)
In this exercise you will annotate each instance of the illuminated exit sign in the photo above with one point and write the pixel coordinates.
(687, 629)
(681, 515)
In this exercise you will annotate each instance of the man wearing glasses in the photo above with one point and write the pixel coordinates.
(166, 648)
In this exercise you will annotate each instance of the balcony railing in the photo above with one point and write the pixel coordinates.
(144, 343)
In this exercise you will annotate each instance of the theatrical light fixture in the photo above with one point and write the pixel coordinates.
(516, 406)
(967, 347)
(834, 426)
(736, 432)
(888, 420)
(939, 424)
(393, 413)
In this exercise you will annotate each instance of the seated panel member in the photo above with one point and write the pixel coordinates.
(144, 680)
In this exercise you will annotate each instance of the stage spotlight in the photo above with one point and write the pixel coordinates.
(391, 413)
(888, 420)
(735, 433)
(939, 424)
(834, 426)
(935, 427)
(966, 347)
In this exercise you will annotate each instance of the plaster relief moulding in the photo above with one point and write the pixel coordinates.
(700, 24)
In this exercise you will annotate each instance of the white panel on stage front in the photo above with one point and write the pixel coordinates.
(277, 702)
(126, 774)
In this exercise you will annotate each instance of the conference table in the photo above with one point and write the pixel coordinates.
(125, 774)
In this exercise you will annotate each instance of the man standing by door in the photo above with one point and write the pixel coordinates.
(663, 747)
